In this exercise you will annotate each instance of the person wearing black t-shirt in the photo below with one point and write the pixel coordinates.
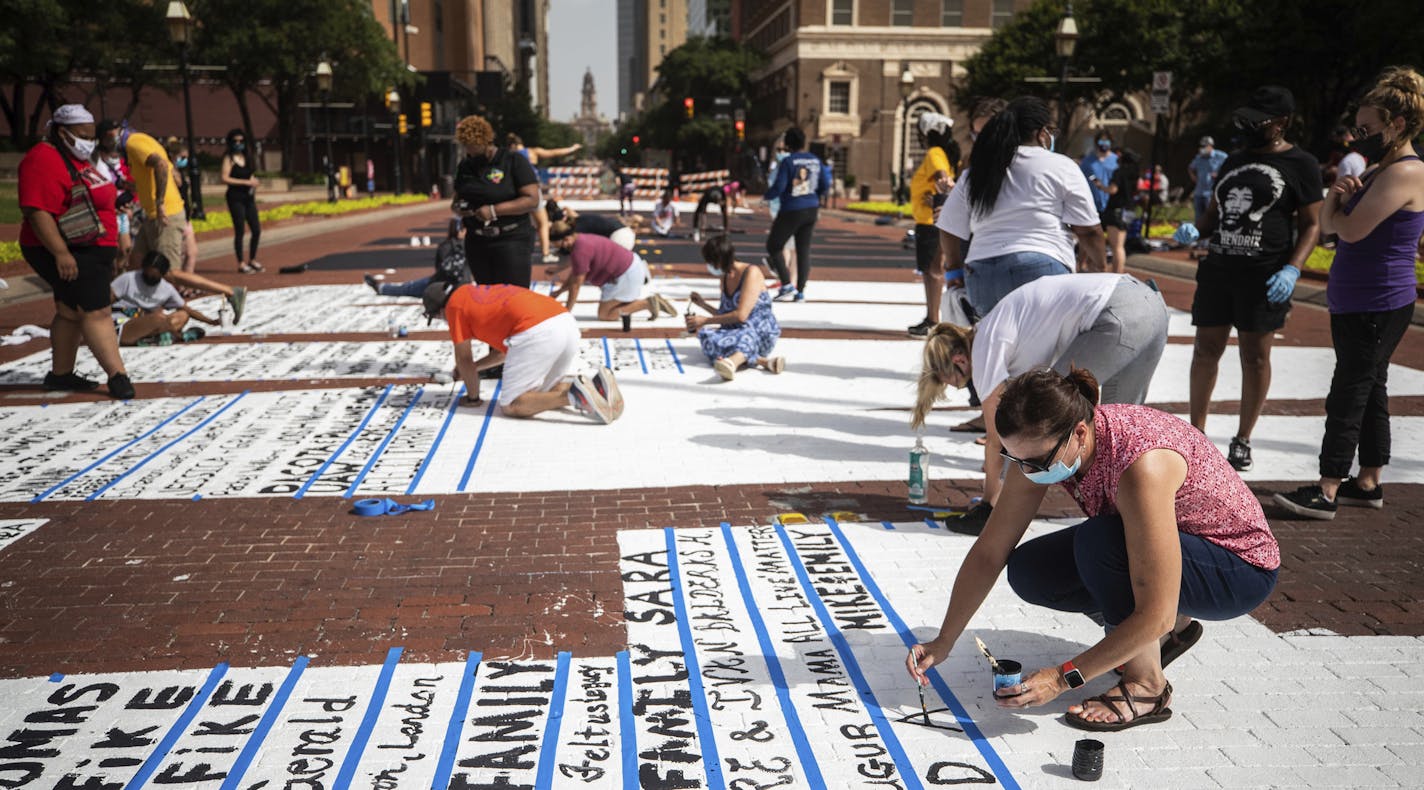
(1122, 192)
(1262, 223)
(496, 189)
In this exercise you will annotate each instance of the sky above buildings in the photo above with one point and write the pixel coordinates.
(582, 36)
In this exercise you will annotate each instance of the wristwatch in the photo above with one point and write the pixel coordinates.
(1071, 675)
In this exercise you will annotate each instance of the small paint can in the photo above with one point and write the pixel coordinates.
(1009, 674)
(1088, 760)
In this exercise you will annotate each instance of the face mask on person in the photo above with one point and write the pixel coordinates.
(1203, 150)
(1371, 148)
(1104, 145)
(239, 147)
(714, 271)
(1052, 142)
(182, 162)
(113, 161)
(1056, 473)
(81, 148)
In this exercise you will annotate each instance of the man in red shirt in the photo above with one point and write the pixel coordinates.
(536, 341)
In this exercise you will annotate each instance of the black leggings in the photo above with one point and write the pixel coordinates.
(1357, 409)
(798, 223)
(699, 217)
(243, 209)
(500, 260)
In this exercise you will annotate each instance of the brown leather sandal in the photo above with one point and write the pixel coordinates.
(1159, 711)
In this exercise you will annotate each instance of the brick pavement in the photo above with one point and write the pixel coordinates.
(282, 576)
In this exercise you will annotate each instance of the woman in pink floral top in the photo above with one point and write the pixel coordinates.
(1172, 534)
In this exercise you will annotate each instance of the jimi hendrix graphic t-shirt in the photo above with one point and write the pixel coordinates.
(1257, 197)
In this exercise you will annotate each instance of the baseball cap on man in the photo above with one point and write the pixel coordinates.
(436, 294)
(935, 122)
(1206, 140)
(1266, 102)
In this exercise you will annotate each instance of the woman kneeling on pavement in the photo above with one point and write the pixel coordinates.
(620, 273)
(1109, 323)
(742, 329)
(535, 340)
(1172, 534)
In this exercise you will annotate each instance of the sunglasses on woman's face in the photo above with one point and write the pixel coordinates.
(1030, 465)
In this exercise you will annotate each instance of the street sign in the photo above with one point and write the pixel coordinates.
(1160, 101)
(1162, 82)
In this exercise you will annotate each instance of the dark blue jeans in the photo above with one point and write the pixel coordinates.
(411, 288)
(1084, 569)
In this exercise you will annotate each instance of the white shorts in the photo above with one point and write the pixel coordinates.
(624, 237)
(629, 285)
(539, 357)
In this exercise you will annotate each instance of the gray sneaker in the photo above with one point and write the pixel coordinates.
(238, 300)
(584, 397)
(607, 386)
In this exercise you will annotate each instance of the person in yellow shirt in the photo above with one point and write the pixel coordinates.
(164, 222)
(928, 188)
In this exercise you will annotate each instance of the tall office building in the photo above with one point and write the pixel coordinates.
(647, 31)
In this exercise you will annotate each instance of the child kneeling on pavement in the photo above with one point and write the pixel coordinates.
(142, 303)
(533, 337)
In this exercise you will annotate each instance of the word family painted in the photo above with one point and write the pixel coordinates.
(757, 658)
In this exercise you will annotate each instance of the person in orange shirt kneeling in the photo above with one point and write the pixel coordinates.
(533, 337)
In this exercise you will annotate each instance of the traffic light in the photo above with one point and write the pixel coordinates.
(427, 114)
(402, 123)
(636, 139)
(687, 105)
(741, 130)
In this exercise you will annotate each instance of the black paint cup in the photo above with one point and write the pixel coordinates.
(1008, 675)
(1088, 760)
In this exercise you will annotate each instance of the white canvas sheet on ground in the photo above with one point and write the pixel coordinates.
(756, 653)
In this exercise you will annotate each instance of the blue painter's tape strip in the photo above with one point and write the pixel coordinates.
(126, 445)
(425, 464)
(607, 355)
(371, 412)
(480, 441)
(368, 721)
(376, 456)
(986, 750)
(675, 359)
(812, 770)
(887, 525)
(550, 747)
(264, 727)
(711, 762)
(931, 523)
(166, 447)
(638, 344)
(627, 725)
(179, 727)
(446, 764)
(852, 667)
(57, 677)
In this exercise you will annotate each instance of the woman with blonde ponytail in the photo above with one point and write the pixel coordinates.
(1111, 324)
(1172, 534)
(1379, 217)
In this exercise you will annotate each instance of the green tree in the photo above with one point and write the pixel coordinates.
(702, 69)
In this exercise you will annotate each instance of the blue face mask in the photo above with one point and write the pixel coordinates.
(714, 271)
(239, 147)
(182, 162)
(1056, 473)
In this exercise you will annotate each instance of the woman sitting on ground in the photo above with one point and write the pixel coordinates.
(149, 311)
(1173, 533)
(621, 274)
(742, 329)
(449, 265)
(1110, 323)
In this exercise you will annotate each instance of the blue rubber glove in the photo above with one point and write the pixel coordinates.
(1186, 233)
(1282, 284)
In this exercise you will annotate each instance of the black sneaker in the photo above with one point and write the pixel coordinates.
(973, 520)
(373, 282)
(1308, 501)
(496, 372)
(1239, 455)
(1350, 493)
(69, 381)
(120, 388)
(922, 328)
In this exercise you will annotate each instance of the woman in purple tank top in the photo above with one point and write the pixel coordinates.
(1379, 217)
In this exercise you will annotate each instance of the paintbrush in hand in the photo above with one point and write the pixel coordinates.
(983, 648)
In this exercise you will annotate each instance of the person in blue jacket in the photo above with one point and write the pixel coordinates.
(800, 184)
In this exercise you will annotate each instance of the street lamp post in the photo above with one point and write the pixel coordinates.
(180, 29)
(323, 86)
(393, 101)
(907, 89)
(1066, 40)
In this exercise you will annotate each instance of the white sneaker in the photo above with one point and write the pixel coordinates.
(606, 385)
(584, 397)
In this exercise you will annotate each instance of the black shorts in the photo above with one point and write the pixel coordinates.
(1227, 297)
(87, 292)
(926, 246)
(1113, 218)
